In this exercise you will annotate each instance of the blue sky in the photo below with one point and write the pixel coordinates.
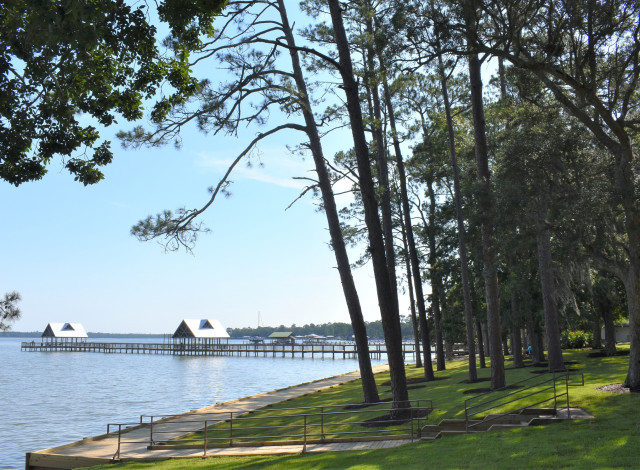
(67, 249)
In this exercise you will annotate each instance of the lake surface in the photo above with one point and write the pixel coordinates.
(50, 399)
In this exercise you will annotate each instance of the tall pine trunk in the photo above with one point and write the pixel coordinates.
(413, 252)
(485, 206)
(535, 339)
(547, 283)
(604, 308)
(481, 356)
(462, 246)
(388, 308)
(384, 191)
(516, 346)
(412, 300)
(596, 333)
(436, 279)
(625, 178)
(596, 323)
(369, 387)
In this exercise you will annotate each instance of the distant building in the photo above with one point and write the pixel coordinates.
(282, 337)
(61, 332)
(622, 332)
(204, 331)
(314, 339)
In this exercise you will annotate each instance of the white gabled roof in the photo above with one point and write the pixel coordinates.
(64, 330)
(191, 328)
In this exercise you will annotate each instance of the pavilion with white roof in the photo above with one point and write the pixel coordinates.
(205, 331)
(61, 332)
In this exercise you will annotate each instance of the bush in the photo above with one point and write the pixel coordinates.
(576, 339)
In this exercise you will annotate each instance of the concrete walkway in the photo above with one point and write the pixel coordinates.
(134, 440)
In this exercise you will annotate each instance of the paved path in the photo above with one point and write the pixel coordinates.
(134, 440)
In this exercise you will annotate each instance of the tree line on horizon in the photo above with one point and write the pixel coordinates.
(337, 330)
(514, 196)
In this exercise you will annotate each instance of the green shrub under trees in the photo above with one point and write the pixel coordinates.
(576, 339)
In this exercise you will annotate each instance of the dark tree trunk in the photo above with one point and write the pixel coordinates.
(412, 301)
(462, 246)
(448, 350)
(596, 333)
(516, 346)
(547, 282)
(436, 279)
(388, 308)
(369, 387)
(505, 345)
(605, 310)
(516, 337)
(412, 251)
(381, 158)
(625, 178)
(498, 379)
(596, 323)
(609, 332)
(540, 338)
(483, 362)
(533, 331)
(632, 288)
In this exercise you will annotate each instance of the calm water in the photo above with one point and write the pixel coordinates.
(49, 399)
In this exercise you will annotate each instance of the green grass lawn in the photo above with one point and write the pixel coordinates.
(611, 440)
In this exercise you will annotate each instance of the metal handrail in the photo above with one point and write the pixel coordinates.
(568, 373)
(310, 407)
(229, 417)
(310, 424)
(501, 403)
(323, 424)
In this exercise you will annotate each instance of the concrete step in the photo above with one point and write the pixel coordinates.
(507, 419)
(527, 417)
(538, 411)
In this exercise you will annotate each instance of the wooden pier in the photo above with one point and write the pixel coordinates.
(346, 350)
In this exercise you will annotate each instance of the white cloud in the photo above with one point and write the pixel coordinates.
(267, 166)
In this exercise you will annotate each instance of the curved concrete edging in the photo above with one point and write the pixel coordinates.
(101, 449)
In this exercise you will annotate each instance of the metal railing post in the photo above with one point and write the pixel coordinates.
(231, 429)
(151, 432)
(116, 456)
(205, 437)
(322, 423)
(304, 446)
(566, 381)
(412, 412)
(419, 417)
(466, 417)
(555, 395)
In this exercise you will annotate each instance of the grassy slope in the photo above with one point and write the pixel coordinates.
(611, 440)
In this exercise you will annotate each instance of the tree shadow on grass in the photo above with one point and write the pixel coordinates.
(544, 371)
(602, 353)
(415, 387)
(486, 390)
(479, 379)
(359, 406)
(417, 380)
(386, 420)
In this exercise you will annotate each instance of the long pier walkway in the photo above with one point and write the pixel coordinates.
(134, 440)
(342, 350)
